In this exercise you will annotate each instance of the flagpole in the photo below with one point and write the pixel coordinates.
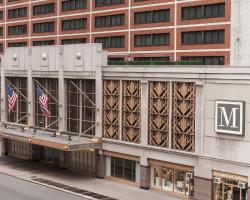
(45, 127)
(48, 92)
(18, 90)
(83, 93)
(82, 133)
(16, 122)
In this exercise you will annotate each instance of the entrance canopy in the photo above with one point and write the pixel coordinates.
(47, 139)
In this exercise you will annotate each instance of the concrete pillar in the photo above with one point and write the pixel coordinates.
(61, 93)
(145, 177)
(63, 159)
(3, 93)
(144, 174)
(98, 91)
(202, 188)
(30, 91)
(100, 165)
(248, 193)
(4, 146)
(144, 112)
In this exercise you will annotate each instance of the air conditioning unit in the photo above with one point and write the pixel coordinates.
(189, 175)
(217, 180)
(242, 185)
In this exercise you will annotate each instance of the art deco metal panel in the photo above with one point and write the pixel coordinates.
(183, 116)
(111, 102)
(131, 104)
(158, 116)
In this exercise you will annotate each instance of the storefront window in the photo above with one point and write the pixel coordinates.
(123, 168)
(170, 179)
(228, 189)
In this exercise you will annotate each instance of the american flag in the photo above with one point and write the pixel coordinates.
(12, 97)
(43, 101)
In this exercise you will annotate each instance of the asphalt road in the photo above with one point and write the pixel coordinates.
(16, 189)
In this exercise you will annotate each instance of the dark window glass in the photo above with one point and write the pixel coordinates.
(74, 5)
(111, 42)
(151, 59)
(154, 16)
(44, 27)
(17, 30)
(108, 21)
(74, 41)
(203, 11)
(147, 40)
(1, 47)
(74, 24)
(1, 31)
(17, 44)
(205, 60)
(123, 168)
(203, 37)
(44, 9)
(43, 43)
(1, 15)
(17, 12)
(100, 3)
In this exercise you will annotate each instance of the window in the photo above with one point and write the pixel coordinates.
(50, 88)
(1, 15)
(43, 43)
(17, 30)
(17, 44)
(205, 60)
(1, 47)
(20, 110)
(80, 108)
(100, 3)
(74, 5)
(74, 24)
(44, 9)
(154, 16)
(111, 42)
(147, 40)
(108, 21)
(203, 11)
(1, 31)
(74, 41)
(18, 12)
(203, 37)
(172, 179)
(44, 27)
(123, 168)
(151, 59)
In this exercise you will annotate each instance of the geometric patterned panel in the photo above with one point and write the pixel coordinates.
(131, 108)
(158, 116)
(183, 116)
(111, 96)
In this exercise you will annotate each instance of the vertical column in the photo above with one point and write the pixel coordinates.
(31, 120)
(199, 117)
(63, 159)
(203, 188)
(98, 90)
(3, 92)
(61, 92)
(100, 164)
(144, 112)
(144, 174)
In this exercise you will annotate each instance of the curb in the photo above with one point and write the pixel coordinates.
(49, 186)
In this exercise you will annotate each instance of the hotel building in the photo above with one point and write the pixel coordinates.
(207, 31)
(175, 129)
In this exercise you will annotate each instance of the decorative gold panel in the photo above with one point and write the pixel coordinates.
(183, 116)
(111, 95)
(158, 116)
(131, 108)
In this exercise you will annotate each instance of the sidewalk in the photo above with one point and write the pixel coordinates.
(28, 170)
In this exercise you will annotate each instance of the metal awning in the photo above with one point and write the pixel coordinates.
(46, 139)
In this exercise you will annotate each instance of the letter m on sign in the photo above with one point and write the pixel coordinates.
(229, 117)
